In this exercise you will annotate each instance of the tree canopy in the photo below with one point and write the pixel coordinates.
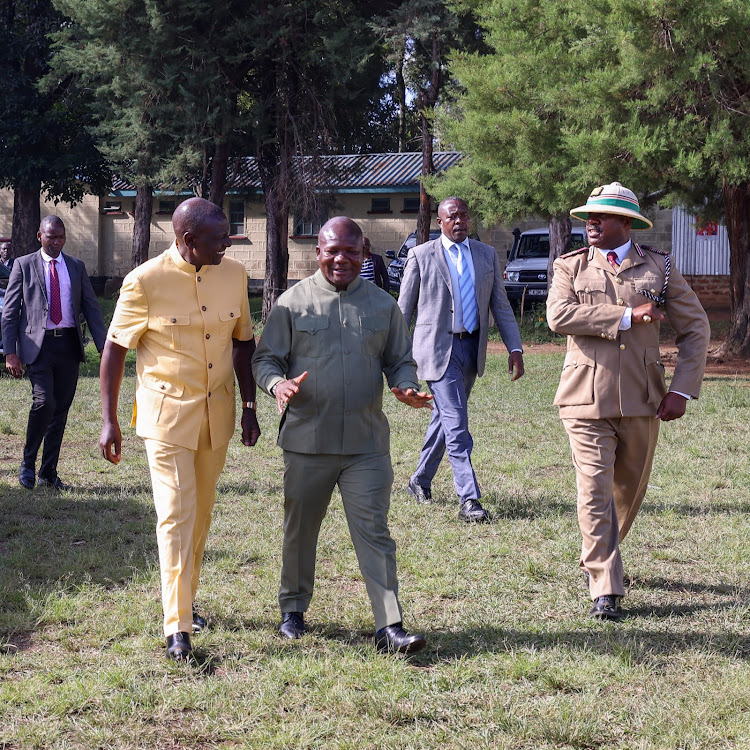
(44, 144)
(577, 94)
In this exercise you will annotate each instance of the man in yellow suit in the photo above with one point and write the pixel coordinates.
(187, 315)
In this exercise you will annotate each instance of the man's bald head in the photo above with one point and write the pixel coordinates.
(51, 235)
(51, 221)
(339, 227)
(193, 214)
(201, 232)
(339, 251)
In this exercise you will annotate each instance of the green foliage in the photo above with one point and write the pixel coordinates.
(575, 94)
(43, 138)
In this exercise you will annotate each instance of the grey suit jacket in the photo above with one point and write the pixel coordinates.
(26, 306)
(426, 288)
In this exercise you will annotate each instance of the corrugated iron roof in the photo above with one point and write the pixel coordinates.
(340, 172)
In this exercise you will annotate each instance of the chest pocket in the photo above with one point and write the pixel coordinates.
(172, 326)
(310, 338)
(590, 289)
(374, 334)
(229, 318)
(648, 283)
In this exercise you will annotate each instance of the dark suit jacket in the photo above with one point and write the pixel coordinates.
(381, 274)
(26, 306)
(427, 289)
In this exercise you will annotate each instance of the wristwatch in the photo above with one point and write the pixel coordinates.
(249, 405)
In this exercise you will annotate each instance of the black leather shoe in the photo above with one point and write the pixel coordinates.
(292, 625)
(394, 639)
(178, 646)
(423, 495)
(607, 608)
(199, 623)
(472, 511)
(27, 482)
(55, 484)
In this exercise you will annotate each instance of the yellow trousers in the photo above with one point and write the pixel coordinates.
(184, 486)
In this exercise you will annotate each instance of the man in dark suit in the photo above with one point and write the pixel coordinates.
(373, 267)
(47, 292)
(453, 284)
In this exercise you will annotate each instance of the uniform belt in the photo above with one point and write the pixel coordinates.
(59, 332)
(466, 334)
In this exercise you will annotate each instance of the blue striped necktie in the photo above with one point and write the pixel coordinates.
(468, 297)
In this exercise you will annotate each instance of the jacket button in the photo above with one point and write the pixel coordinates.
(653, 291)
(210, 365)
(620, 302)
(618, 280)
(203, 308)
(587, 290)
(162, 386)
(231, 315)
(208, 335)
(622, 347)
(174, 320)
(604, 335)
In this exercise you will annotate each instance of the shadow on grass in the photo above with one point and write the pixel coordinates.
(640, 644)
(93, 536)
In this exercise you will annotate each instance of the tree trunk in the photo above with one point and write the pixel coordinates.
(401, 88)
(26, 218)
(219, 165)
(277, 250)
(560, 227)
(737, 213)
(144, 199)
(424, 218)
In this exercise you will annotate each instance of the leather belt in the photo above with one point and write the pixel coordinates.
(466, 334)
(59, 332)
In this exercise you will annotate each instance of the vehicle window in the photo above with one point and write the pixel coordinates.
(537, 245)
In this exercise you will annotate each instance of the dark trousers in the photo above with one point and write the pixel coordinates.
(54, 376)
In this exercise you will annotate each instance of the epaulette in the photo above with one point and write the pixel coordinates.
(574, 252)
(654, 250)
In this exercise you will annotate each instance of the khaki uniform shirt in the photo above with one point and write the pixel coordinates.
(346, 341)
(612, 373)
(181, 323)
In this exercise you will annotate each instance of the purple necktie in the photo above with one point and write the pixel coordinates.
(55, 306)
(612, 258)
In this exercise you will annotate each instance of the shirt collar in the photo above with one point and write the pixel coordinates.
(179, 261)
(47, 258)
(323, 282)
(621, 251)
(448, 243)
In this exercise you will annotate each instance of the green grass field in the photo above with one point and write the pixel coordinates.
(512, 659)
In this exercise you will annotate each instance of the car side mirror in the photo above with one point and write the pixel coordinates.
(390, 253)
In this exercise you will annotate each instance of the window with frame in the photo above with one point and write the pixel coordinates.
(411, 206)
(237, 218)
(112, 207)
(380, 205)
(166, 207)
(306, 226)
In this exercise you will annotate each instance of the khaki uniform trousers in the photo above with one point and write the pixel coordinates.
(613, 459)
(365, 482)
(184, 486)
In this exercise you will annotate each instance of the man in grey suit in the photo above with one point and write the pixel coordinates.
(47, 292)
(453, 284)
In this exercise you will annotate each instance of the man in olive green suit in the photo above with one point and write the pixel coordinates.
(324, 350)
(608, 299)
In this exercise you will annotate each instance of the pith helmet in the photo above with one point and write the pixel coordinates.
(613, 199)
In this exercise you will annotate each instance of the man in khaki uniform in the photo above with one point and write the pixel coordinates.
(186, 312)
(609, 298)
